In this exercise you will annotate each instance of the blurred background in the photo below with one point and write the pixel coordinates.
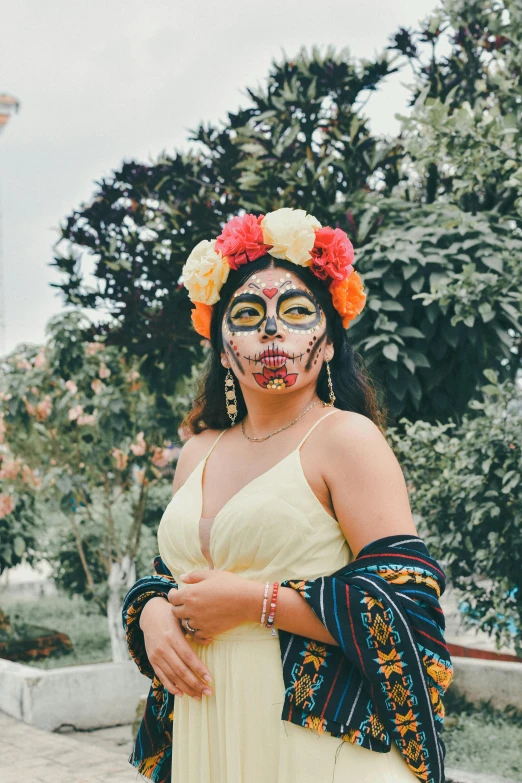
(128, 133)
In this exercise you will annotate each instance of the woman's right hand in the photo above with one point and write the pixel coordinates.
(170, 655)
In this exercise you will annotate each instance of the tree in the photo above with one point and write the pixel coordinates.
(304, 140)
(80, 417)
(19, 524)
(301, 140)
(463, 141)
(444, 304)
(464, 483)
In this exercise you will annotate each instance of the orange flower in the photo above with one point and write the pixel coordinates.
(348, 297)
(201, 316)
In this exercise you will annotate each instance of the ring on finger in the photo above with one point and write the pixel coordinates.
(189, 627)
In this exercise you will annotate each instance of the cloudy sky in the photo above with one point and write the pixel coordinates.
(102, 81)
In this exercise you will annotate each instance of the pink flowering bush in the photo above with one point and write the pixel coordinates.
(82, 437)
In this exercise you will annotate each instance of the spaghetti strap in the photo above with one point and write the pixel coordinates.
(209, 452)
(335, 410)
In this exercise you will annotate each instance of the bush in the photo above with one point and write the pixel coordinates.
(464, 481)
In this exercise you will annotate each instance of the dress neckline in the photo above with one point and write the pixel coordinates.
(297, 450)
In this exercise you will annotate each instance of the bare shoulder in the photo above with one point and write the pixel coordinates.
(350, 435)
(193, 451)
(365, 480)
(354, 445)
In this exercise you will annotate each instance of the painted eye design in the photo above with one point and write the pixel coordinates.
(246, 314)
(299, 310)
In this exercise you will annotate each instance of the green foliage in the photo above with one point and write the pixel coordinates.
(88, 440)
(73, 615)
(465, 726)
(465, 483)
(464, 138)
(444, 302)
(302, 141)
(19, 528)
(441, 283)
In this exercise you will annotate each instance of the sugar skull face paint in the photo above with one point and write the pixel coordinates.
(274, 331)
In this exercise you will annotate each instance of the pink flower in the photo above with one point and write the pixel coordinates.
(97, 386)
(29, 477)
(160, 457)
(332, 254)
(241, 240)
(39, 360)
(104, 371)
(71, 386)
(10, 470)
(24, 364)
(74, 412)
(7, 505)
(121, 458)
(93, 348)
(140, 447)
(87, 419)
(43, 409)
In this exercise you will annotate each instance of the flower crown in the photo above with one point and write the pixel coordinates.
(287, 233)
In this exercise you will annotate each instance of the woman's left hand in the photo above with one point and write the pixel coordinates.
(214, 601)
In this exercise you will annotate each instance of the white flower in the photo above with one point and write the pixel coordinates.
(291, 232)
(204, 273)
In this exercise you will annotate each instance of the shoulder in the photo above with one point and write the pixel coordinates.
(354, 444)
(191, 454)
(365, 480)
(350, 435)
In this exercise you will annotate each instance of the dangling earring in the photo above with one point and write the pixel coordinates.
(330, 387)
(230, 397)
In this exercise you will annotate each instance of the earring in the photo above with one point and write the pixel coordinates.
(230, 397)
(330, 387)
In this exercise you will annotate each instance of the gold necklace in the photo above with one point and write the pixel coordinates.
(265, 437)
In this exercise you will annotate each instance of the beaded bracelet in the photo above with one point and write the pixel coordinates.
(270, 621)
(265, 596)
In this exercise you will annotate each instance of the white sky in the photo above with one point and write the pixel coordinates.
(102, 81)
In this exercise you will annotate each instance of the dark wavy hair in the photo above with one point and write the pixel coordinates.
(353, 387)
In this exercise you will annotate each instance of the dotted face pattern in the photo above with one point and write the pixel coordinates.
(270, 287)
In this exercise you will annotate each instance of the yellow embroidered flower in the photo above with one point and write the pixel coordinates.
(291, 234)
(204, 273)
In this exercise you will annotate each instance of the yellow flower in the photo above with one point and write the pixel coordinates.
(204, 273)
(291, 234)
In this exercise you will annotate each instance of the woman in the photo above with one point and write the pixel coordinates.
(286, 479)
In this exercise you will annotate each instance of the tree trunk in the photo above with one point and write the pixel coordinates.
(121, 578)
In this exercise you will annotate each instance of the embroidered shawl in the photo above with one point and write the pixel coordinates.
(384, 683)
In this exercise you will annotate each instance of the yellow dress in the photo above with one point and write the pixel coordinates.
(273, 529)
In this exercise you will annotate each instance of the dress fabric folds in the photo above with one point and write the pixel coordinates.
(286, 709)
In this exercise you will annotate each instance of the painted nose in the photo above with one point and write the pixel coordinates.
(271, 326)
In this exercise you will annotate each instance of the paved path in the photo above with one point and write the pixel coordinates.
(30, 755)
